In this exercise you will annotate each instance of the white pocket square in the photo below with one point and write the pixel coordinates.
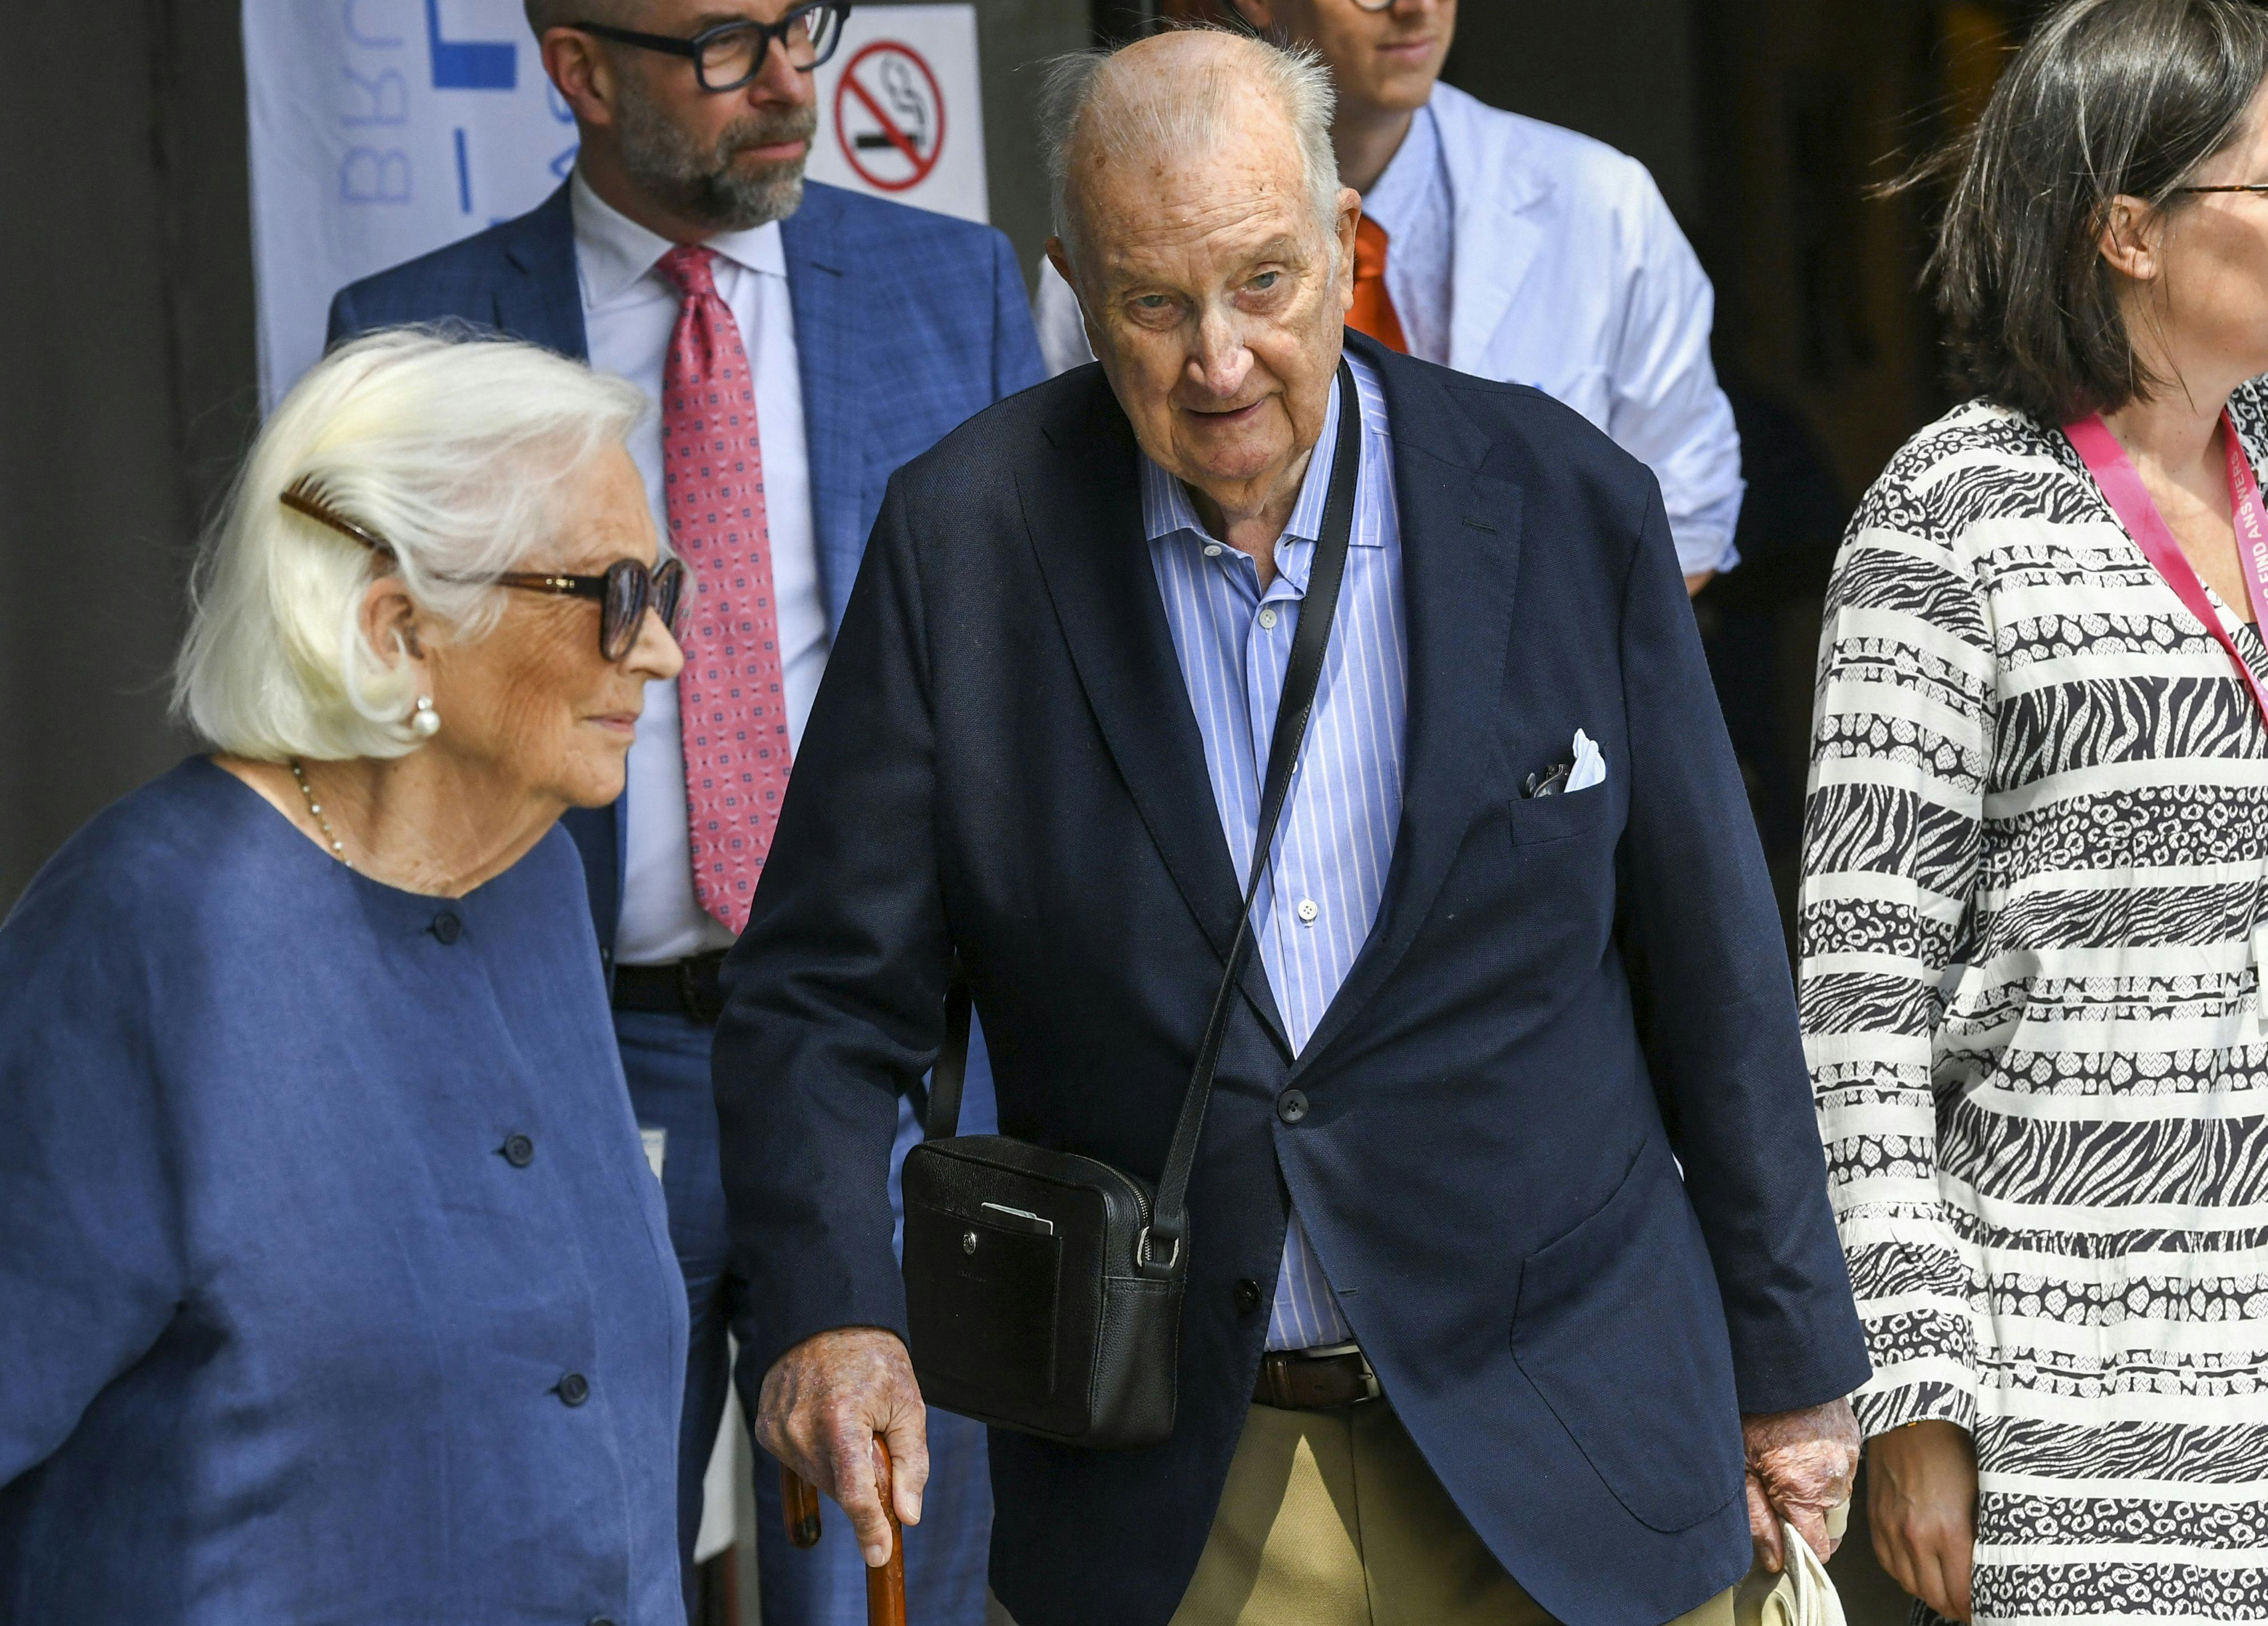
(1590, 765)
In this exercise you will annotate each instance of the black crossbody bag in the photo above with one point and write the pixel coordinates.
(1044, 1289)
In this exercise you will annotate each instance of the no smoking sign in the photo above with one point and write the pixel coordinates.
(906, 100)
(889, 116)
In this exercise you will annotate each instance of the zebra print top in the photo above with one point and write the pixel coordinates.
(2036, 846)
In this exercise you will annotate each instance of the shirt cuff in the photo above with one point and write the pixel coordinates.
(1704, 534)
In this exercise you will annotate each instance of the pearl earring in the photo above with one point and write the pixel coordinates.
(425, 721)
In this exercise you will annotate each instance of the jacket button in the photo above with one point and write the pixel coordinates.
(1290, 1106)
(1248, 1295)
(574, 1389)
(448, 927)
(519, 1150)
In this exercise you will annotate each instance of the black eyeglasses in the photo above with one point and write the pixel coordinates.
(730, 55)
(625, 592)
(2253, 187)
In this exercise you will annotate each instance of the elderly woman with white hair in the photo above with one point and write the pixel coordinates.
(333, 1283)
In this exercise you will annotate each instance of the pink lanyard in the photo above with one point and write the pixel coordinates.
(2130, 499)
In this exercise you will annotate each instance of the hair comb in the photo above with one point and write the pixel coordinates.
(304, 496)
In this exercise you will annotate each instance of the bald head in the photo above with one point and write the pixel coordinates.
(544, 14)
(1175, 98)
(1199, 220)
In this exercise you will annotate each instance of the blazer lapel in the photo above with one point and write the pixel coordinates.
(1459, 562)
(820, 291)
(1084, 522)
(1499, 200)
(544, 304)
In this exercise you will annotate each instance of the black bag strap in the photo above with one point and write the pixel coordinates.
(942, 1115)
(1169, 1219)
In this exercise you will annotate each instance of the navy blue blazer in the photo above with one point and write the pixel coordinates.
(1561, 1002)
(906, 323)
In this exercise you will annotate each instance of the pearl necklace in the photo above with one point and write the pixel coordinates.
(315, 808)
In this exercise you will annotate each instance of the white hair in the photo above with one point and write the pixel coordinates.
(449, 446)
(1082, 103)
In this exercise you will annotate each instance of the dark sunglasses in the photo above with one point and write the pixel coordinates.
(625, 592)
(730, 55)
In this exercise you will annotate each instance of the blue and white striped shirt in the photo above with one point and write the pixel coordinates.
(1337, 835)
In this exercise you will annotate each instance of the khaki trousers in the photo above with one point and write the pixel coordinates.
(1333, 1519)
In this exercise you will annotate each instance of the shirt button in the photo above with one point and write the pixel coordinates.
(602, 1619)
(1290, 1106)
(519, 1150)
(1213, 550)
(1248, 1296)
(1267, 618)
(1308, 911)
(574, 1389)
(448, 927)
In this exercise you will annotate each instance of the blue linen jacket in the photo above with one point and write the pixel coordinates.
(1557, 1151)
(335, 1286)
(906, 323)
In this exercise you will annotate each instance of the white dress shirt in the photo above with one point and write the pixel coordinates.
(1562, 268)
(629, 310)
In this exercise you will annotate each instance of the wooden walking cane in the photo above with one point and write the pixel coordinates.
(886, 1585)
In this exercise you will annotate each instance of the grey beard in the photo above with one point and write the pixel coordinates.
(707, 188)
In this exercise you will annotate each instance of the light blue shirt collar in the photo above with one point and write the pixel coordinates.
(1167, 511)
(614, 253)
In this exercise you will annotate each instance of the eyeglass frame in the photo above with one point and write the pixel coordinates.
(767, 35)
(661, 590)
(2252, 186)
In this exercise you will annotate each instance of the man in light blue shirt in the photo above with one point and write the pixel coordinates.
(1480, 1235)
(1232, 631)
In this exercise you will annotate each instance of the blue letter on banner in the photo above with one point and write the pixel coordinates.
(470, 64)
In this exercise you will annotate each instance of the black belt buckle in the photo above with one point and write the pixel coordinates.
(1281, 1383)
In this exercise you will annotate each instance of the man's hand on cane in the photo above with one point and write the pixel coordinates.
(1800, 1465)
(823, 1404)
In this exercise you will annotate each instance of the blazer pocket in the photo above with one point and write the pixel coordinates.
(1620, 1328)
(1536, 819)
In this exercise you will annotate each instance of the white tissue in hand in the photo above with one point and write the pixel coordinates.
(1590, 764)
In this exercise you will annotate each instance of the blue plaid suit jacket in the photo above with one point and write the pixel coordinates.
(906, 324)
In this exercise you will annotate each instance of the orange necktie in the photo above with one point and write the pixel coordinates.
(1373, 308)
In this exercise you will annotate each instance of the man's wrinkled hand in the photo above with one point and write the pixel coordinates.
(1800, 1465)
(823, 1404)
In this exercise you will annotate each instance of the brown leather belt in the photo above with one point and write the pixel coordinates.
(1315, 1379)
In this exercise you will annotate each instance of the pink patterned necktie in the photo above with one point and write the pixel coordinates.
(730, 702)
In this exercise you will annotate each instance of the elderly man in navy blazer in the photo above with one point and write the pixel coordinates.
(1513, 1295)
(801, 342)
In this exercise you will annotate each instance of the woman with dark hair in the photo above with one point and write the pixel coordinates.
(2034, 904)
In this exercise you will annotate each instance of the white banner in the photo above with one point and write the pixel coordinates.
(382, 129)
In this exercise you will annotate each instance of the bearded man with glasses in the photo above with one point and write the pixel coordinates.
(845, 335)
